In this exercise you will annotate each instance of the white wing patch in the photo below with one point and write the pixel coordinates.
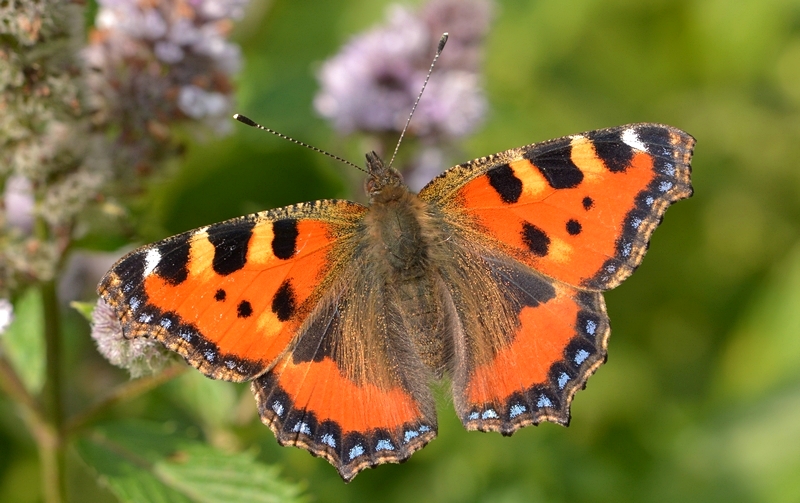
(631, 139)
(151, 261)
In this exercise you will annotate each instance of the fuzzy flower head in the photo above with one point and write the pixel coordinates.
(371, 85)
(156, 63)
(140, 356)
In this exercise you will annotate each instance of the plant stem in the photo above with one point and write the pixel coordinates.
(36, 421)
(11, 384)
(52, 447)
(126, 391)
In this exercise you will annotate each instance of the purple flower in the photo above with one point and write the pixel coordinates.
(157, 63)
(371, 85)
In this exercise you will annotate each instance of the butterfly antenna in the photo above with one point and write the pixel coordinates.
(439, 49)
(246, 120)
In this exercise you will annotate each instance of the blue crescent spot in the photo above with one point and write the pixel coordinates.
(384, 445)
(516, 410)
(563, 379)
(543, 402)
(356, 451)
(626, 249)
(301, 427)
(581, 356)
(328, 440)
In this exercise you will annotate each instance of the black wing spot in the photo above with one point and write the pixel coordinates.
(173, 267)
(284, 240)
(230, 240)
(220, 295)
(574, 227)
(284, 303)
(615, 154)
(654, 135)
(244, 309)
(556, 165)
(505, 183)
(587, 202)
(535, 239)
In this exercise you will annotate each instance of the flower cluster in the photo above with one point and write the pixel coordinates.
(155, 63)
(80, 123)
(46, 172)
(371, 85)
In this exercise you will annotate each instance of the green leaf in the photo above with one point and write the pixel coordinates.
(84, 308)
(208, 400)
(141, 461)
(23, 341)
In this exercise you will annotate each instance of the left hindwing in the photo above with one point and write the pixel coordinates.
(579, 209)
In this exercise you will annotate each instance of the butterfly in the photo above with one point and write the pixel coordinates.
(342, 315)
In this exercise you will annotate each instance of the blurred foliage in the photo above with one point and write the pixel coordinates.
(24, 341)
(138, 462)
(700, 399)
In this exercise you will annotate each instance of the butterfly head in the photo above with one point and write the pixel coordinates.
(384, 183)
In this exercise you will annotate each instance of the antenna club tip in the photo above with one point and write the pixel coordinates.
(244, 120)
(442, 41)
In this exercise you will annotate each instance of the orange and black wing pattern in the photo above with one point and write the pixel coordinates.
(579, 209)
(350, 390)
(524, 366)
(284, 299)
(555, 223)
(230, 297)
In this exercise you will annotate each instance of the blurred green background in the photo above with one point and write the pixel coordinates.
(700, 398)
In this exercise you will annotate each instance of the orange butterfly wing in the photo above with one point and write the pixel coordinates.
(280, 297)
(229, 297)
(342, 392)
(576, 214)
(579, 209)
